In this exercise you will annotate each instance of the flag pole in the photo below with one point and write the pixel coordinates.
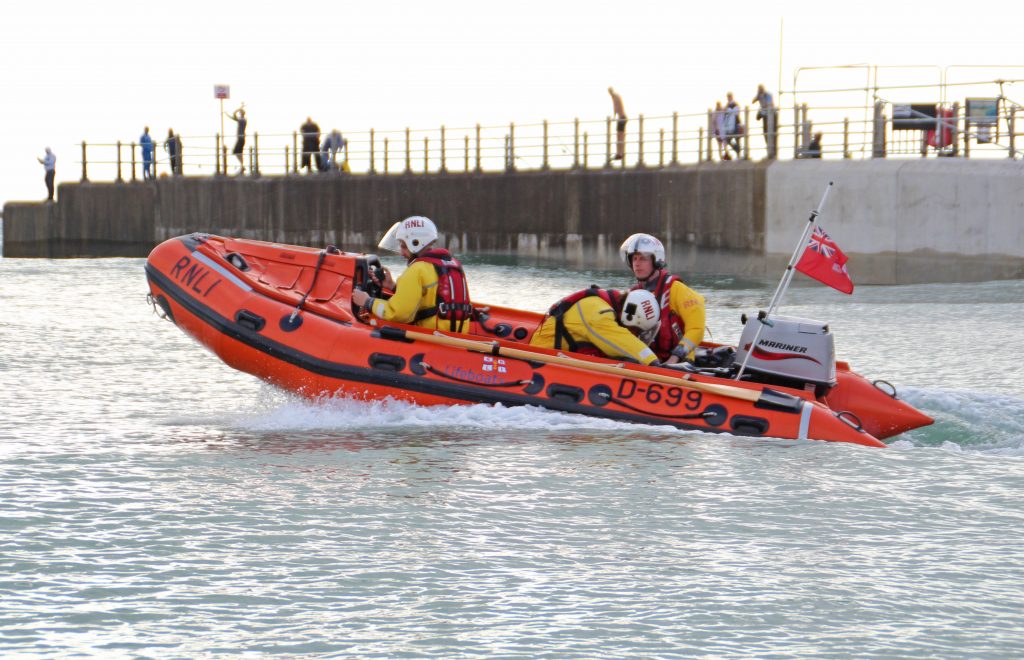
(787, 277)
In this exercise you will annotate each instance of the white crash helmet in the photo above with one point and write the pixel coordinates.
(640, 310)
(645, 244)
(416, 231)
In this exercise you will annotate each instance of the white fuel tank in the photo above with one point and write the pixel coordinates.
(801, 349)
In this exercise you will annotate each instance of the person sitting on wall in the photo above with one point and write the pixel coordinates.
(602, 322)
(682, 310)
(814, 148)
(432, 292)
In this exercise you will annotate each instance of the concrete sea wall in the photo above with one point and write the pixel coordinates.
(900, 221)
(939, 220)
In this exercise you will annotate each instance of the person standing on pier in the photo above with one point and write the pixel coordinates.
(620, 124)
(333, 143)
(49, 161)
(173, 151)
(238, 116)
(146, 142)
(733, 127)
(310, 145)
(769, 119)
(718, 130)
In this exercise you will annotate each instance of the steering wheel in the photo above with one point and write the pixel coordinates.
(372, 284)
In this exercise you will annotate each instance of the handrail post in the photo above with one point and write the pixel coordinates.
(746, 132)
(661, 147)
(255, 169)
(586, 141)
(408, 149)
(846, 137)
(224, 155)
(465, 139)
(133, 161)
(956, 129)
(512, 146)
(373, 165)
(426, 154)
(576, 143)
(772, 119)
(608, 142)
(119, 179)
(796, 131)
(806, 125)
(675, 138)
(639, 143)
(878, 133)
(544, 158)
(216, 157)
(295, 152)
(385, 155)
(478, 148)
(287, 163)
(711, 138)
(444, 162)
(1012, 125)
(85, 163)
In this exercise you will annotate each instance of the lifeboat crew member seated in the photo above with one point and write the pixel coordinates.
(602, 322)
(682, 309)
(432, 292)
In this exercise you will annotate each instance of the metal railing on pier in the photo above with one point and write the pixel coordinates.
(984, 125)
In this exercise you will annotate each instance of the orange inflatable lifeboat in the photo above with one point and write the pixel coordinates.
(283, 313)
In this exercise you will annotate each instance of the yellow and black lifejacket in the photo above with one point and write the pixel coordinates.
(453, 302)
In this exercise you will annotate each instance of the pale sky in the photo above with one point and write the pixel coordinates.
(101, 71)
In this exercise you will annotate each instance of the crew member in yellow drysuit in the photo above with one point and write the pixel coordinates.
(682, 308)
(600, 322)
(432, 292)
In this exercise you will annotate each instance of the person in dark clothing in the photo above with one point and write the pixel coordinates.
(238, 116)
(173, 151)
(814, 148)
(733, 126)
(181, 153)
(310, 145)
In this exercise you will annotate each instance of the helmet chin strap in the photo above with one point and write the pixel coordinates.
(650, 277)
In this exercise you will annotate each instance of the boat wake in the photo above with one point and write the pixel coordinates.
(966, 421)
(279, 411)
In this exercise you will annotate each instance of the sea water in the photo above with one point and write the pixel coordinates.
(156, 503)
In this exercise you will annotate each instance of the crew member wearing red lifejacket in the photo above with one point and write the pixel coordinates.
(432, 292)
(601, 322)
(682, 309)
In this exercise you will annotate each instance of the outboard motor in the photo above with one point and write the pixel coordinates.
(791, 351)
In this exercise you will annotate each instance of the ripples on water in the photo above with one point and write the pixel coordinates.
(157, 503)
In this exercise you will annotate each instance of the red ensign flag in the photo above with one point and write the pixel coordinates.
(825, 262)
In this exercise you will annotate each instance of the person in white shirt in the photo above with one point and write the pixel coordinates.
(49, 162)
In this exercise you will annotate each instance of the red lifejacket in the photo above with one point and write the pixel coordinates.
(558, 310)
(671, 328)
(453, 301)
